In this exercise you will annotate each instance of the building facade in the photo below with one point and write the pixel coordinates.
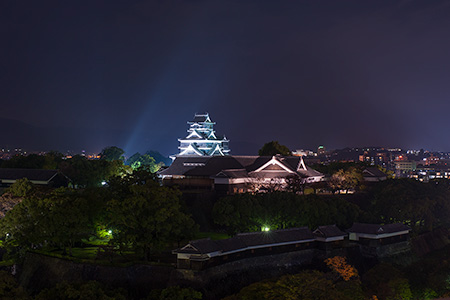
(239, 174)
(374, 240)
(202, 139)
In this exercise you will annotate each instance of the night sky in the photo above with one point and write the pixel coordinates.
(90, 74)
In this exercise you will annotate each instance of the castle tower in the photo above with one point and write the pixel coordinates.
(202, 139)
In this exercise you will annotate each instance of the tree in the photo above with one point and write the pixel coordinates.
(387, 282)
(69, 216)
(339, 265)
(159, 158)
(295, 183)
(137, 161)
(333, 167)
(10, 289)
(49, 161)
(175, 293)
(274, 148)
(236, 213)
(278, 210)
(91, 173)
(146, 216)
(112, 153)
(400, 289)
(422, 206)
(86, 291)
(312, 285)
(21, 187)
(19, 228)
(60, 219)
(346, 180)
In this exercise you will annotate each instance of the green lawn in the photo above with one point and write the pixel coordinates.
(96, 242)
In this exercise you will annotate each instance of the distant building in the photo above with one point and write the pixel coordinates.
(373, 175)
(375, 157)
(404, 168)
(202, 139)
(301, 152)
(52, 178)
(431, 160)
(321, 150)
(426, 173)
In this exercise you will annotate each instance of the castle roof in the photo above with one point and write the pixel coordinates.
(202, 139)
(201, 118)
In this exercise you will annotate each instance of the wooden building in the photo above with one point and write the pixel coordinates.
(238, 174)
(374, 175)
(374, 240)
(380, 240)
(52, 178)
(329, 237)
(204, 253)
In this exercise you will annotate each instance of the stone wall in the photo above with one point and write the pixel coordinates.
(219, 281)
(40, 271)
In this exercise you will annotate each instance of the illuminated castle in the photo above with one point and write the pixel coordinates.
(202, 140)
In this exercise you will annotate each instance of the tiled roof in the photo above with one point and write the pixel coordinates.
(205, 246)
(207, 166)
(201, 136)
(378, 229)
(30, 174)
(329, 231)
(214, 166)
(249, 240)
(272, 174)
(199, 118)
(309, 172)
(373, 172)
(183, 164)
(275, 237)
(246, 161)
(292, 163)
(233, 173)
(257, 163)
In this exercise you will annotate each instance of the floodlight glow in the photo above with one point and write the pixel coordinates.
(266, 229)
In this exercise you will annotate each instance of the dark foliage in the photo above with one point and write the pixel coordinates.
(278, 210)
(274, 148)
